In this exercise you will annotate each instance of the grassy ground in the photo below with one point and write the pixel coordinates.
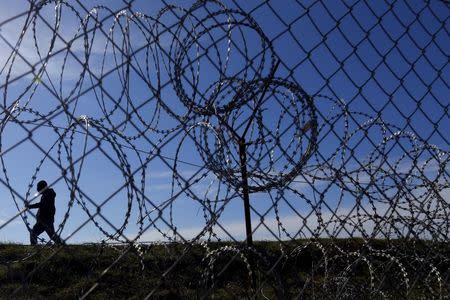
(323, 269)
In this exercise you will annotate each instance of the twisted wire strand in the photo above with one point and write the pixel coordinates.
(217, 62)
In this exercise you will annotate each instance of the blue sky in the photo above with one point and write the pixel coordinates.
(380, 62)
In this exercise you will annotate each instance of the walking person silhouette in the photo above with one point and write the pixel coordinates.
(46, 214)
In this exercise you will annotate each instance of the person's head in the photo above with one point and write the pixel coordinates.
(41, 186)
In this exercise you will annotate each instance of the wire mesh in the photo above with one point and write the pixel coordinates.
(260, 149)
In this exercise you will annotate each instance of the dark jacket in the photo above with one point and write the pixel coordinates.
(46, 212)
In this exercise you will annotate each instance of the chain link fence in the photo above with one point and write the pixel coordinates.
(226, 149)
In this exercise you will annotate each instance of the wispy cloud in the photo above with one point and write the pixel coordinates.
(378, 221)
(12, 223)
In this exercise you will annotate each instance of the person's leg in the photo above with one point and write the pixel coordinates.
(50, 229)
(35, 232)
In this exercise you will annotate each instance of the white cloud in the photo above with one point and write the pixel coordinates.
(344, 222)
(236, 229)
(12, 223)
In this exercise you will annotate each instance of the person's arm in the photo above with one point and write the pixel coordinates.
(36, 205)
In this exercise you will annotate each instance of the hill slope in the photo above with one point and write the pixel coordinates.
(318, 269)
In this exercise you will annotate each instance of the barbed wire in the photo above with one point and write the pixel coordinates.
(205, 86)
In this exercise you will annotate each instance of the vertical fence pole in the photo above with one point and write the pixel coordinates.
(245, 191)
(246, 198)
(243, 158)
